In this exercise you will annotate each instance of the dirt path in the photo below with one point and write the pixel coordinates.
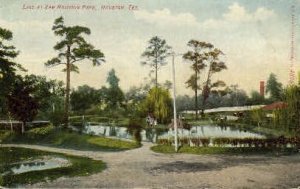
(142, 168)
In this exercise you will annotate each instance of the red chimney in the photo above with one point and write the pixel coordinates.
(262, 88)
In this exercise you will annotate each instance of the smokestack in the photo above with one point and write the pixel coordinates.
(262, 88)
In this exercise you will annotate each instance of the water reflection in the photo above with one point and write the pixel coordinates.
(38, 164)
(152, 134)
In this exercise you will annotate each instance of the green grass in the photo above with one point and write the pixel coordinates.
(80, 166)
(67, 139)
(223, 150)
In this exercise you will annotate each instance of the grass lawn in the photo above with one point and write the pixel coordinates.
(167, 149)
(79, 166)
(55, 137)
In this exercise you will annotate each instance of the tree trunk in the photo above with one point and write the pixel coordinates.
(203, 106)
(196, 98)
(156, 83)
(67, 97)
(23, 127)
(206, 91)
(11, 124)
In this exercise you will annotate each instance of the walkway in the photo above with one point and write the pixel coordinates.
(142, 168)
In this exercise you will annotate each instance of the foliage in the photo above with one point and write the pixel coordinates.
(114, 96)
(274, 88)
(258, 116)
(84, 98)
(289, 118)
(214, 66)
(80, 166)
(40, 132)
(234, 97)
(133, 99)
(22, 105)
(197, 57)
(134, 128)
(159, 103)
(68, 139)
(256, 98)
(8, 67)
(184, 102)
(204, 56)
(72, 48)
(50, 94)
(155, 55)
(279, 142)
(221, 150)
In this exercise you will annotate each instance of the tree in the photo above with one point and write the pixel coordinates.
(84, 98)
(134, 97)
(168, 84)
(159, 103)
(155, 55)
(72, 49)
(114, 96)
(214, 66)
(21, 103)
(46, 91)
(184, 103)
(8, 67)
(197, 57)
(274, 88)
(288, 117)
(256, 98)
(234, 96)
(50, 94)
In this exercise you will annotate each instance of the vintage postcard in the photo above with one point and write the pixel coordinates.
(150, 94)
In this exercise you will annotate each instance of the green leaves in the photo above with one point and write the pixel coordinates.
(73, 47)
(155, 54)
(21, 103)
(53, 62)
(159, 103)
(73, 68)
(274, 88)
(5, 34)
(87, 51)
(192, 82)
(204, 56)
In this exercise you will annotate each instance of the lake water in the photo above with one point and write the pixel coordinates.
(47, 162)
(152, 134)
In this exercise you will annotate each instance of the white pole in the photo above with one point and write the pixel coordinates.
(174, 104)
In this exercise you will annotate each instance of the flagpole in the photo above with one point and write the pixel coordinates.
(174, 104)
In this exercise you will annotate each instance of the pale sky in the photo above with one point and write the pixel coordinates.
(254, 35)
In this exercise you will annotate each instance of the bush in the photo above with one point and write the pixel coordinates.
(280, 142)
(164, 141)
(1, 180)
(41, 132)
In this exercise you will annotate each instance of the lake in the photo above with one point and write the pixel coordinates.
(152, 134)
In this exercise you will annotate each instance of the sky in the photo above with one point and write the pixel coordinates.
(255, 37)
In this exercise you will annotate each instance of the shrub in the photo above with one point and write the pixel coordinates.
(204, 141)
(164, 141)
(41, 132)
(184, 141)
